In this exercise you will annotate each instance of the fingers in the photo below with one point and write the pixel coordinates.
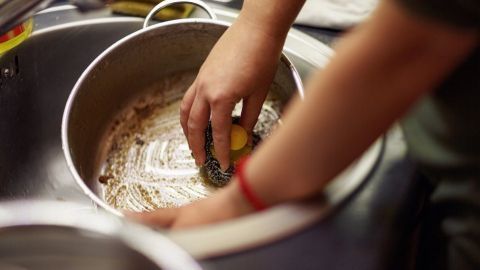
(221, 126)
(185, 107)
(252, 106)
(159, 218)
(196, 125)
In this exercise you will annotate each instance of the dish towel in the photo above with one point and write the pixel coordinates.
(335, 14)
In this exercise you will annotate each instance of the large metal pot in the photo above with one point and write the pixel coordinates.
(41, 235)
(127, 70)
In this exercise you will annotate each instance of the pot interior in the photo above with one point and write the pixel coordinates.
(122, 119)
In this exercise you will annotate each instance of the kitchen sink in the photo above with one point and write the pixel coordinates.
(36, 79)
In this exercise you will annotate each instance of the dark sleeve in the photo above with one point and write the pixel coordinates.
(460, 13)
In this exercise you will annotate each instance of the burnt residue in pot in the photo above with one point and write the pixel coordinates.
(149, 164)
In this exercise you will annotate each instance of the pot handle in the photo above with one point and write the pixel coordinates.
(167, 3)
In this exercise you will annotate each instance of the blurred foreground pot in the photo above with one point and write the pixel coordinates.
(41, 235)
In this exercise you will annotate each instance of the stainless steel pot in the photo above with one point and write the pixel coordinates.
(41, 235)
(127, 70)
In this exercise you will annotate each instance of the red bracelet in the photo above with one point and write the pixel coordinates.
(247, 192)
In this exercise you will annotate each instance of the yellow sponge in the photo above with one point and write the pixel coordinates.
(238, 137)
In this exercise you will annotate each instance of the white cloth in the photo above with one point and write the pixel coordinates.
(335, 14)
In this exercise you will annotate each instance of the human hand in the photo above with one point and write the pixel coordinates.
(226, 204)
(241, 66)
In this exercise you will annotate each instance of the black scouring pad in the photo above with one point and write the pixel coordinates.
(212, 167)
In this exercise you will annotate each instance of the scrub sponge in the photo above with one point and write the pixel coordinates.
(238, 149)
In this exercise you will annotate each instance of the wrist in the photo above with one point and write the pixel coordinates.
(245, 187)
(269, 17)
(257, 26)
(239, 204)
(259, 31)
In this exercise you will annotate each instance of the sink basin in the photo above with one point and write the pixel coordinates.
(36, 80)
(32, 99)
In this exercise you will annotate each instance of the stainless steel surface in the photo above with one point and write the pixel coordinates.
(13, 12)
(43, 235)
(32, 102)
(167, 3)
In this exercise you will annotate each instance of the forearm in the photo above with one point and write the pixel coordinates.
(380, 71)
(378, 74)
(266, 23)
(271, 17)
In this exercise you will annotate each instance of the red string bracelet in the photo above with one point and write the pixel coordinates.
(247, 192)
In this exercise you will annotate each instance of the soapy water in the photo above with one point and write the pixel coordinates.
(149, 164)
